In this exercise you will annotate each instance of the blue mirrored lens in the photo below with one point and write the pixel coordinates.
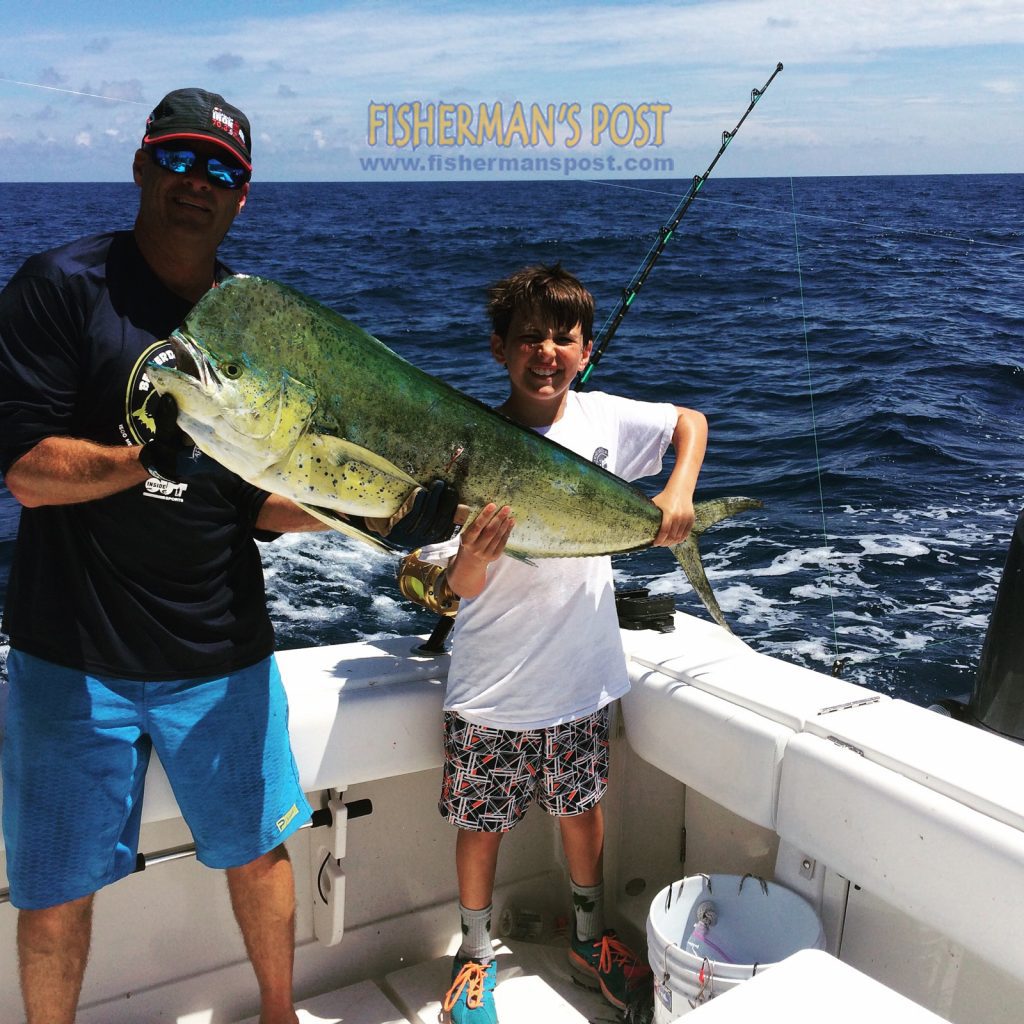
(225, 174)
(174, 161)
(181, 161)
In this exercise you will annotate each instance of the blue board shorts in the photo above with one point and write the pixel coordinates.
(75, 756)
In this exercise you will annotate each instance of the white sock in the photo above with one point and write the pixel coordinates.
(588, 908)
(476, 934)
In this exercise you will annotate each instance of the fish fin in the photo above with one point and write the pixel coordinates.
(336, 521)
(520, 557)
(331, 473)
(343, 451)
(687, 555)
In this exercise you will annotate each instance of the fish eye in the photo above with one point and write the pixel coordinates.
(232, 371)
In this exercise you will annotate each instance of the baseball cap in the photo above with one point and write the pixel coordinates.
(198, 114)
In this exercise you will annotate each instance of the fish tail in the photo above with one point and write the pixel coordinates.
(687, 554)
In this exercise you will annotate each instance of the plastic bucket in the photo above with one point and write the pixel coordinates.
(743, 925)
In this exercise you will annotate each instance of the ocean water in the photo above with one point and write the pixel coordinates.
(857, 345)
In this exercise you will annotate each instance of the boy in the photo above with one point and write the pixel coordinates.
(536, 654)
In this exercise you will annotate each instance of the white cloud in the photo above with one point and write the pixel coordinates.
(1002, 87)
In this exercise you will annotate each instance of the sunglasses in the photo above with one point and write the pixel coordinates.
(181, 161)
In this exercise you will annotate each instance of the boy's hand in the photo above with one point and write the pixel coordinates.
(481, 542)
(677, 518)
(484, 539)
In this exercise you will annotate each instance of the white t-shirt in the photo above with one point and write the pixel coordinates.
(540, 645)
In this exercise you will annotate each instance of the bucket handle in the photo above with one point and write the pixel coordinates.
(707, 885)
(682, 881)
(764, 884)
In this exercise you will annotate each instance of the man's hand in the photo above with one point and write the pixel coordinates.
(429, 519)
(160, 455)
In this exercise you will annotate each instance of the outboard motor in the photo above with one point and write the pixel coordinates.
(997, 700)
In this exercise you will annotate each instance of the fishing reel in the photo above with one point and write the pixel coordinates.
(426, 584)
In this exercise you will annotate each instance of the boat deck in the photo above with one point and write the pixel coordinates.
(534, 987)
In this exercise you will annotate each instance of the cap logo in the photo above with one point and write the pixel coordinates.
(226, 123)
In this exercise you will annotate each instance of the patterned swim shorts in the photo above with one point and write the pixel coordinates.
(492, 775)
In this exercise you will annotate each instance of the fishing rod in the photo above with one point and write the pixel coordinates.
(611, 325)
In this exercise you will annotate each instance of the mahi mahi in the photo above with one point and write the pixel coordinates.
(299, 401)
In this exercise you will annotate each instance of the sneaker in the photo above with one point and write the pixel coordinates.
(470, 1000)
(608, 964)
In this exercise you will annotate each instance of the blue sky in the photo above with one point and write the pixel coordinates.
(919, 86)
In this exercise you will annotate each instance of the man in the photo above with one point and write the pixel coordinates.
(136, 606)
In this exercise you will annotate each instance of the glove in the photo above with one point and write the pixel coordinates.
(160, 455)
(428, 520)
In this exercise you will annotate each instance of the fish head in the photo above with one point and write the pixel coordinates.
(246, 415)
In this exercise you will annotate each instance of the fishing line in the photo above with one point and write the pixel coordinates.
(837, 665)
(941, 236)
(611, 325)
(778, 212)
(74, 92)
